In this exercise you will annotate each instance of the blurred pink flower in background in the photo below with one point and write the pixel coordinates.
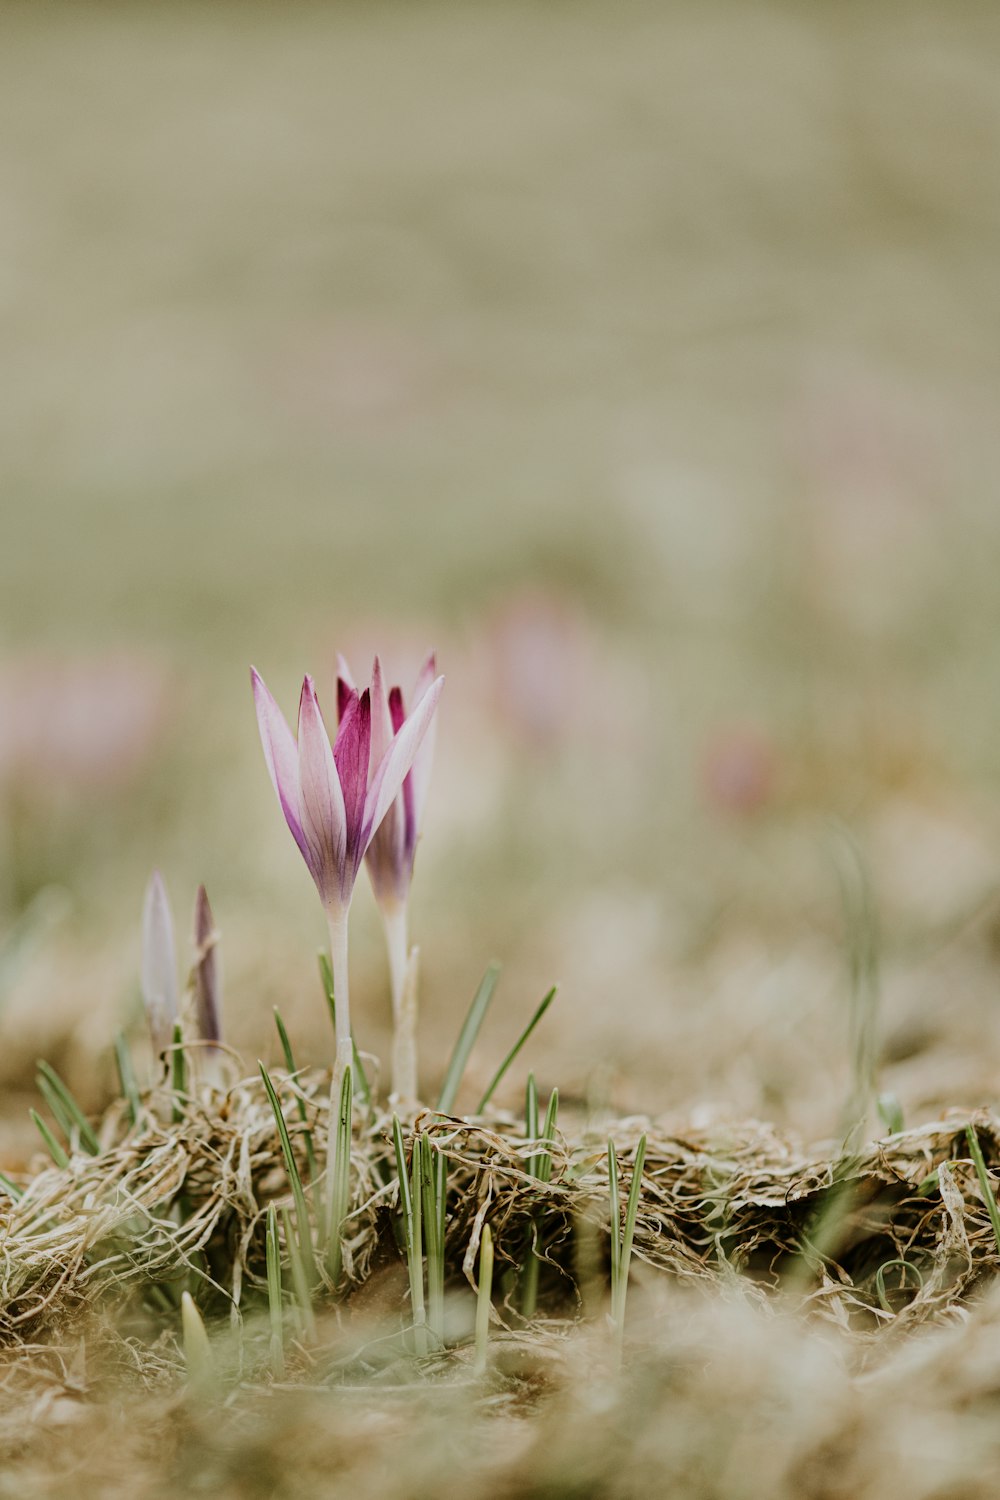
(539, 664)
(88, 722)
(738, 770)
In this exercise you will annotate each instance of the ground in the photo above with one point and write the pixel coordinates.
(642, 361)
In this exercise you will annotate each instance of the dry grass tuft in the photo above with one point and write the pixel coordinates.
(770, 1348)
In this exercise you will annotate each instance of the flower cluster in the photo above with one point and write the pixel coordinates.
(356, 799)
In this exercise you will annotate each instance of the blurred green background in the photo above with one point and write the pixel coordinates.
(641, 358)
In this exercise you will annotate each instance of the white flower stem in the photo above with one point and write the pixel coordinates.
(403, 979)
(337, 921)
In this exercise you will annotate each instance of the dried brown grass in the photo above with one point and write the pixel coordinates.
(763, 1358)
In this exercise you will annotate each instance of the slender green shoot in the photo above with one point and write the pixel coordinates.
(178, 1072)
(498, 1075)
(430, 1187)
(304, 1229)
(861, 927)
(484, 1300)
(880, 1289)
(417, 1200)
(441, 1195)
(989, 1197)
(53, 1147)
(361, 1077)
(467, 1038)
(623, 1235)
(54, 1103)
(409, 1204)
(890, 1112)
(529, 1271)
(274, 1300)
(126, 1077)
(543, 1169)
(197, 1350)
(300, 1281)
(307, 1140)
(531, 1115)
(10, 1188)
(56, 1093)
(538, 1165)
(338, 1177)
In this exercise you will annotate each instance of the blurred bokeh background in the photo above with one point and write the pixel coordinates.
(643, 359)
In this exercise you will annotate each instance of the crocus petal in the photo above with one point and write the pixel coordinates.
(205, 975)
(425, 677)
(408, 821)
(281, 756)
(397, 761)
(420, 776)
(321, 801)
(397, 711)
(351, 752)
(383, 727)
(388, 864)
(159, 965)
(345, 686)
(343, 670)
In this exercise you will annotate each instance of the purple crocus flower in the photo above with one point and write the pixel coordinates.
(334, 798)
(392, 851)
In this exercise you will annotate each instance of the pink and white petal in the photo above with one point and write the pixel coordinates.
(397, 709)
(397, 761)
(158, 971)
(351, 752)
(425, 677)
(281, 756)
(345, 686)
(321, 800)
(420, 776)
(408, 820)
(343, 670)
(383, 728)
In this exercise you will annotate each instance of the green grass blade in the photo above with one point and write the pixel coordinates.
(414, 1257)
(274, 1299)
(54, 1103)
(429, 1179)
(360, 1076)
(989, 1197)
(417, 1286)
(498, 1075)
(544, 1169)
(631, 1213)
(467, 1038)
(862, 940)
(531, 1116)
(890, 1112)
(178, 1072)
(126, 1077)
(300, 1281)
(484, 1300)
(10, 1188)
(85, 1131)
(53, 1147)
(303, 1225)
(880, 1289)
(300, 1104)
(616, 1230)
